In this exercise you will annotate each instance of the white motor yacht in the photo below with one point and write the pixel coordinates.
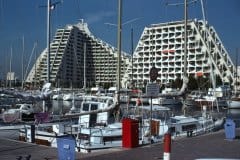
(21, 112)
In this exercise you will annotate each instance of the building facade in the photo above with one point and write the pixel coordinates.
(162, 46)
(75, 52)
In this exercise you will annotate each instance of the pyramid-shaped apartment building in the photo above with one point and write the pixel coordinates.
(68, 63)
(162, 46)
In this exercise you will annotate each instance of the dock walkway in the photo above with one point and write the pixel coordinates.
(212, 145)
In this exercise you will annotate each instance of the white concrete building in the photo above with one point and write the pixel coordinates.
(67, 59)
(162, 45)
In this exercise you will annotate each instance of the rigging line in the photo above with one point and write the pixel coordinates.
(23, 51)
(78, 8)
(30, 58)
(204, 4)
(195, 9)
(180, 3)
(1, 12)
(166, 11)
(236, 77)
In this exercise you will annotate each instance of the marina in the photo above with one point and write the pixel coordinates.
(174, 96)
(92, 122)
(96, 126)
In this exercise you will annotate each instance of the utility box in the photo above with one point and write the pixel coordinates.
(66, 148)
(130, 133)
(229, 128)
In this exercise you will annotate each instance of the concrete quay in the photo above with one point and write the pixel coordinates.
(212, 145)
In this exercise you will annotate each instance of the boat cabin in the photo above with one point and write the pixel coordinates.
(179, 125)
(92, 106)
(97, 91)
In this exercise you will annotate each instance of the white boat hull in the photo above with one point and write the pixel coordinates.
(232, 104)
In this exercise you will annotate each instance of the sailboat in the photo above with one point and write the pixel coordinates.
(234, 101)
(94, 110)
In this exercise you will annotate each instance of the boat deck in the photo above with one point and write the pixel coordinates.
(212, 145)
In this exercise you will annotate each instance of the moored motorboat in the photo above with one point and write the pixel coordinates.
(21, 112)
(233, 103)
(180, 126)
(70, 123)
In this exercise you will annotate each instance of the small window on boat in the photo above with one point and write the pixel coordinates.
(110, 102)
(85, 107)
(94, 107)
(172, 129)
(173, 120)
(189, 127)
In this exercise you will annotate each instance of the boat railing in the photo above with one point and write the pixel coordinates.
(153, 129)
(96, 135)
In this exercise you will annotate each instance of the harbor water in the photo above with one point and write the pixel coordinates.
(60, 107)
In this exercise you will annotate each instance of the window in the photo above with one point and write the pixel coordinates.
(94, 107)
(85, 107)
(189, 127)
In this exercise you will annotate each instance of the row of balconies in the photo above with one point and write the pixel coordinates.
(162, 28)
(157, 56)
(171, 64)
(167, 52)
(175, 46)
(141, 78)
(165, 67)
(166, 42)
(169, 68)
(164, 64)
(168, 74)
(180, 37)
(103, 55)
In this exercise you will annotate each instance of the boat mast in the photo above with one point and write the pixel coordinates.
(132, 56)
(184, 76)
(22, 62)
(35, 70)
(48, 40)
(119, 45)
(10, 69)
(203, 13)
(185, 39)
(236, 78)
(118, 83)
(84, 69)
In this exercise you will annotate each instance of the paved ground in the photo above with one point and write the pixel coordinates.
(213, 145)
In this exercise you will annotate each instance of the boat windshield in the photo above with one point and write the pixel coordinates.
(85, 107)
(158, 112)
(94, 107)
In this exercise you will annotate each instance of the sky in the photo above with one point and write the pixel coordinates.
(23, 24)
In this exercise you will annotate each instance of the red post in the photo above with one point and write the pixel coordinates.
(167, 146)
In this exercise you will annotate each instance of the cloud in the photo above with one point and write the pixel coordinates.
(99, 16)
